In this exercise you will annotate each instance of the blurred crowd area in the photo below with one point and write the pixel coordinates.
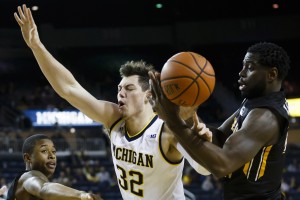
(16, 96)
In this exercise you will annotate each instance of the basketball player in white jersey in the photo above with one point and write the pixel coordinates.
(148, 161)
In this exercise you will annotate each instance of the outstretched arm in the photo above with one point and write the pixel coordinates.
(60, 78)
(260, 128)
(37, 184)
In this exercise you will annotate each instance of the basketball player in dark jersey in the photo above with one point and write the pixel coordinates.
(40, 158)
(248, 149)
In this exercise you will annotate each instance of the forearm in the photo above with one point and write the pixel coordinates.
(219, 137)
(56, 191)
(205, 153)
(189, 122)
(58, 76)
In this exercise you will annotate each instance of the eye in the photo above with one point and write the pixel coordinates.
(130, 88)
(247, 66)
(250, 68)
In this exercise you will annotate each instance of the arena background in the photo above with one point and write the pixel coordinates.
(93, 38)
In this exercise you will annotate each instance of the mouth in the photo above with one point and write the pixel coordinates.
(242, 85)
(51, 165)
(121, 104)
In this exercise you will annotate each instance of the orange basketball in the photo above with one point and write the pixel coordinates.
(187, 79)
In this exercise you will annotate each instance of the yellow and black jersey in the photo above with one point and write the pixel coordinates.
(260, 178)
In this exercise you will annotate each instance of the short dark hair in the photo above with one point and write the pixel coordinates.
(272, 55)
(140, 68)
(30, 142)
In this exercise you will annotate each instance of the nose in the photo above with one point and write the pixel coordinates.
(121, 93)
(51, 155)
(242, 73)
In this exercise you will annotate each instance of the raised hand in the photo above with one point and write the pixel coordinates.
(187, 112)
(201, 129)
(28, 27)
(165, 109)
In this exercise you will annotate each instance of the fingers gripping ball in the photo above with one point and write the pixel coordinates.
(187, 79)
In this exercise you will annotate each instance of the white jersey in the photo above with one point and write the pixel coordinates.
(142, 170)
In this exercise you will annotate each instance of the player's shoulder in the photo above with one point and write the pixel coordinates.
(166, 134)
(33, 174)
(263, 112)
(268, 115)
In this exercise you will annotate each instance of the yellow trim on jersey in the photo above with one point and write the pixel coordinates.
(246, 168)
(116, 124)
(263, 162)
(141, 129)
(262, 165)
(234, 125)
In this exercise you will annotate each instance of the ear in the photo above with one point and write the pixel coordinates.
(26, 157)
(273, 74)
(148, 95)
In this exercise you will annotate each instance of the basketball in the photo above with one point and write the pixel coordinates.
(187, 79)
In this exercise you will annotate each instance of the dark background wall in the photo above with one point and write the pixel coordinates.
(93, 38)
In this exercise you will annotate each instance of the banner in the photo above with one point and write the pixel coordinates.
(50, 118)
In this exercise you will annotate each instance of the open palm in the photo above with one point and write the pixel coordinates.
(28, 27)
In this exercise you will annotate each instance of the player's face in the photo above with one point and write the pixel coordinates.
(253, 77)
(131, 98)
(43, 157)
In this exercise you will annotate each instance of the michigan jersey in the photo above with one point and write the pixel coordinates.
(142, 170)
(260, 178)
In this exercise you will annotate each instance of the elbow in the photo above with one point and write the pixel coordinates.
(218, 175)
(69, 91)
(220, 172)
(63, 92)
(45, 191)
(66, 89)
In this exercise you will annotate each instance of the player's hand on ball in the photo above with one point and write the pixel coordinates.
(187, 112)
(160, 104)
(201, 129)
(187, 79)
